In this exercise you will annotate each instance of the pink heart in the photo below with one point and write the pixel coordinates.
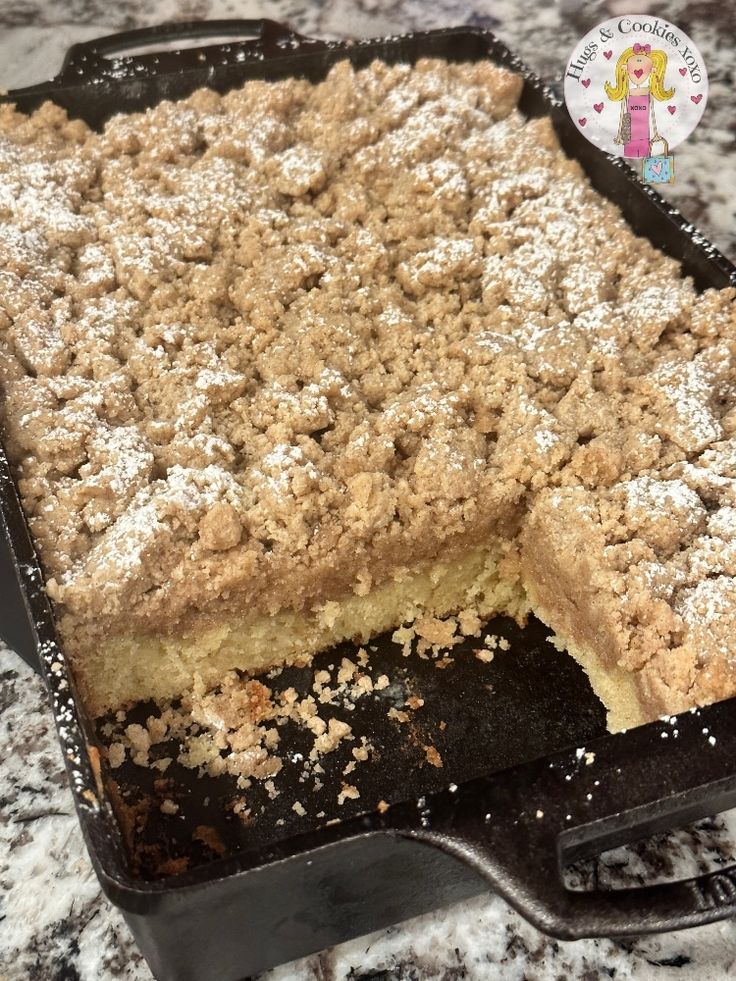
(657, 168)
(586, 82)
(638, 72)
(598, 107)
(607, 55)
(683, 72)
(582, 120)
(672, 110)
(696, 98)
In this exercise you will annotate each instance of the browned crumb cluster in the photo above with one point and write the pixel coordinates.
(257, 349)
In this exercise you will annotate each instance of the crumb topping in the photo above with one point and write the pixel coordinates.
(256, 348)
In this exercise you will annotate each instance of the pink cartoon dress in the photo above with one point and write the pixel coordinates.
(638, 107)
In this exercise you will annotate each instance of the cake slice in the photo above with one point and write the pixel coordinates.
(638, 583)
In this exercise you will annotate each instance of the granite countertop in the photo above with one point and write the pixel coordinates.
(54, 922)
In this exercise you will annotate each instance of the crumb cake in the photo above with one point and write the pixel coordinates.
(305, 362)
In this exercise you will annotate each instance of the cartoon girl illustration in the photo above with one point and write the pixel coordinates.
(639, 82)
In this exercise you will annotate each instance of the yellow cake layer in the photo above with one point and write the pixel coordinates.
(137, 667)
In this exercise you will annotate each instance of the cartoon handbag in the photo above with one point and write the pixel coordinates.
(624, 126)
(625, 132)
(659, 168)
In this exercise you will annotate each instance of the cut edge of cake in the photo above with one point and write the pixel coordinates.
(616, 687)
(137, 667)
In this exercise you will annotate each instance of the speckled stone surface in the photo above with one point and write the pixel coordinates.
(54, 923)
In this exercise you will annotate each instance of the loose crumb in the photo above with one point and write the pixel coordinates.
(398, 715)
(348, 792)
(115, 755)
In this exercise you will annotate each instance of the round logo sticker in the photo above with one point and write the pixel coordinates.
(636, 86)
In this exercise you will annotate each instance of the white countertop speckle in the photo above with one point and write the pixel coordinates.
(55, 925)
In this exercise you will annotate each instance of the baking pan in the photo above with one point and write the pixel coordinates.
(530, 780)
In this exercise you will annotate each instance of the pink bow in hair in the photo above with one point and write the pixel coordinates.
(642, 48)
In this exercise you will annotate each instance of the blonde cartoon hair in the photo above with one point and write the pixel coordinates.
(656, 84)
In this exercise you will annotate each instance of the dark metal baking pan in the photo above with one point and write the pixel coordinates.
(530, 779)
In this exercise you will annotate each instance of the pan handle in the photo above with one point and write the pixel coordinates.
(236, 40)
(519, 828)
